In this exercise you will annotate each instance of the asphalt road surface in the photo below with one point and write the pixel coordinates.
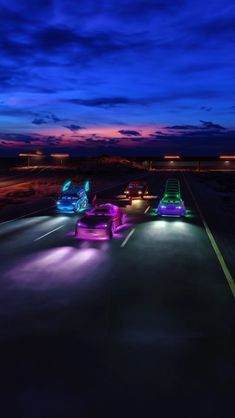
(142, 325)
(16, 179)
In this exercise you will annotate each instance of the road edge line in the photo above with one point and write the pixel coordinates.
(213, 242)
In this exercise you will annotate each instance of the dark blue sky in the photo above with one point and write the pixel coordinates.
(126, 76)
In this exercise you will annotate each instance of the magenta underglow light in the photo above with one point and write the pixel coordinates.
(101, 222)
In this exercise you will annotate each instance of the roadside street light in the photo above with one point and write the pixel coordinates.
(60, 157)
(171, 157)
(28, 156)
(227, 157)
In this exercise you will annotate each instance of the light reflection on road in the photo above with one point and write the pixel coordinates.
(56, 266)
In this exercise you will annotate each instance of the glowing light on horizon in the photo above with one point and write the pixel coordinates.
(227, 157)
(29, 155)
(171, 157)
(60, 155)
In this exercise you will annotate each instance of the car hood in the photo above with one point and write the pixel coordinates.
(91, 221)
(135, 190)
(66, 202)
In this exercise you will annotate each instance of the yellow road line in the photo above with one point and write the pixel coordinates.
(147, 209)
(215, 247)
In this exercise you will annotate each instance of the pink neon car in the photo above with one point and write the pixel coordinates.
(100, 222)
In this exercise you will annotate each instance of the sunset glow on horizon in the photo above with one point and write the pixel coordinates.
(139, 77)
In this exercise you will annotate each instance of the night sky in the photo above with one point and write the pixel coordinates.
(117, 76)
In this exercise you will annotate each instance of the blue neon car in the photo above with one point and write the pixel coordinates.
(73, 198)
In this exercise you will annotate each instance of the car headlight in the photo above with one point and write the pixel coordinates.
(100, 226)
(139, 192)
(127, 192)
(81, 225)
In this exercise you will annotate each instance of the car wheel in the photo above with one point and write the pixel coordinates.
(110, 233)
(123, 219)
(113, 228)
(77, 209)
(84, 204)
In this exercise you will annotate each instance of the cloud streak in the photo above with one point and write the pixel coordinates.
(127, 132)
(74, 128)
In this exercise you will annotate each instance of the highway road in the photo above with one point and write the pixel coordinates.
(142, 325)
(17, 179)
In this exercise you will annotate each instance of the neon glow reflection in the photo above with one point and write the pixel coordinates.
(56, 267)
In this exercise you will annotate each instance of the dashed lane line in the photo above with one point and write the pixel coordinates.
(48, 233)
(147, 209)
(127, 238)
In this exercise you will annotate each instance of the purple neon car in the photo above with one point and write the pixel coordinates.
(100, 222)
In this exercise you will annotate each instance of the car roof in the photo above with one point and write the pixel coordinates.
(108, 207)
(105, 206)
(137, 183)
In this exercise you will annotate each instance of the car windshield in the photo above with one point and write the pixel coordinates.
(135, 186)
(70, 196)
(102, 211)
(170, 200)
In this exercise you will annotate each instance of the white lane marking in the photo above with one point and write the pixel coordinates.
(147, 209)
(127, 238)
(213, 242)
(48, 233)
(26, 214)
